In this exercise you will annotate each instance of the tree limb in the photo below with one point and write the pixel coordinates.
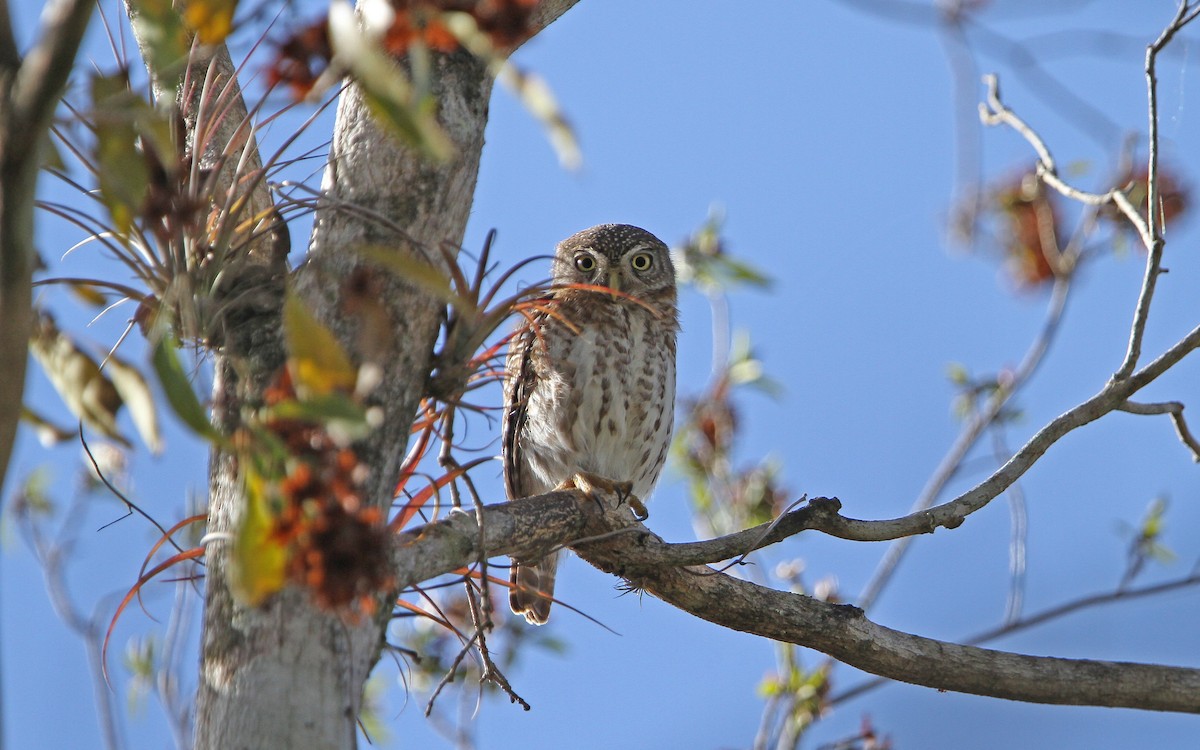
(529, 527)
(29, 92)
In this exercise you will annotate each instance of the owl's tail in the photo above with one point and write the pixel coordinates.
(533, 588)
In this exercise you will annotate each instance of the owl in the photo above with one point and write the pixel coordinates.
(590, 387)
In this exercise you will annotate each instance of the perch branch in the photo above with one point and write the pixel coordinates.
(529, 527)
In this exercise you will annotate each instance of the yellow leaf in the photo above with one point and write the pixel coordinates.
(212, 20)
(316, 361)
(136, 394)
(48, 433)
(259, 564)
(89, 395)
(88, 294)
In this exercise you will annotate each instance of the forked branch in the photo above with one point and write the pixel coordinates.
(841, 631)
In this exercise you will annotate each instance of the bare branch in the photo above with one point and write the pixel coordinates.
(44, 72)
(1175, 409)
(995, 112)
(1050, 614)
(1153, 236)
(822, 514)
(841, 631)
(970, 434)
(29, 92)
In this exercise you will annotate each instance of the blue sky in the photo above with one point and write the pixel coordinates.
(828, 137)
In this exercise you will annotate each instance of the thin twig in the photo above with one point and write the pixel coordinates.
(995, 112)
(1153, 237)
(450, 673)
(970, 435)
(489, 672)
(1173, 408)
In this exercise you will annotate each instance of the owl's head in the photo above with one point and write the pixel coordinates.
(618, 256)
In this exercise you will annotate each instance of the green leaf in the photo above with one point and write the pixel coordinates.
(344, 419)
(386, 89)
(51, 155)
(736, 271)
(123, 178)
(316, 360)
(417, 271)
(178, 389)
(958, 374)
(163, 36)
(34, 495)
(703, 261)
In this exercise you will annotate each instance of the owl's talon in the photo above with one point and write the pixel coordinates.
(595, 486)
(639, 509)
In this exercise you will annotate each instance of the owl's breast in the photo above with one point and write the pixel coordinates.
(611, 389)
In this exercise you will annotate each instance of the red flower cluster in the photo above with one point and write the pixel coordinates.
(1030, 238)
(304, 56)
(338, 545)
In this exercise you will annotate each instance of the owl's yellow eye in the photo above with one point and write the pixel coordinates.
(642, 261)
(585, 263)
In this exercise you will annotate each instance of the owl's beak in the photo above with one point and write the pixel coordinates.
(614, 279)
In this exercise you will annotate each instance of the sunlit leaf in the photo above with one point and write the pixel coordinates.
(88, 294)
(48, 433)
(85, 390)
(747, 369)
(529, 88)
(162, 34)
(138, 397)
(739, 271)
(212, 20)
(533, 92)
(386, 89)
(123, 180)
(415, 270)
(259, 562)
(178, 389)
(342, 417)
(316, 361)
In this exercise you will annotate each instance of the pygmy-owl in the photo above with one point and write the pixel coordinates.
(590, 389)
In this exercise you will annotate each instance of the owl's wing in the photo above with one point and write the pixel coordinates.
(521, 375)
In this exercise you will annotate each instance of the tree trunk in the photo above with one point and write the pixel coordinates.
(287, 674)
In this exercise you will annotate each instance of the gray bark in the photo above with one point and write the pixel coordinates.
(621, 546)
(286, 674)
(30, 88)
